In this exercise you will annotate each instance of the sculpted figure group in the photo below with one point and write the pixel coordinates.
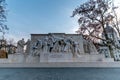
(56, 44)
(21, 44)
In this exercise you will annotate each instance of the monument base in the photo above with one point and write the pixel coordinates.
(68, 57)
(55, 57)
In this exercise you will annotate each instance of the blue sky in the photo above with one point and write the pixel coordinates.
(40, 16)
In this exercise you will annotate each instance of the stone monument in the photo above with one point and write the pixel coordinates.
(28, 46)
(20, 46)
(56, 47)
(61, 47)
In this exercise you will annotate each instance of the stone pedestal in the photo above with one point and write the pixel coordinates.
(68, 57)
(32, 59)
(14, 58)
(54, 57)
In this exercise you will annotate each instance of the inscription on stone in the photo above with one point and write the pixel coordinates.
(56, 56)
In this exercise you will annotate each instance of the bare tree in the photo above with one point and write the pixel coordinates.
(11, 41)
(3, 26)
(94, 15)
(116, 20)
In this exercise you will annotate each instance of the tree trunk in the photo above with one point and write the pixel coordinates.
(106, 37)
